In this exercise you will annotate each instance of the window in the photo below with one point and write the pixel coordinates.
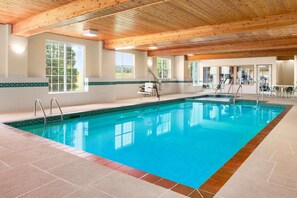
(124, 65)
(194, 68)
(124, 135)
(163, 67)
(165, 124)
(64, 67)
(245, 74)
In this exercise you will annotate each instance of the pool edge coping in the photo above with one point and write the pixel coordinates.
(208, 189)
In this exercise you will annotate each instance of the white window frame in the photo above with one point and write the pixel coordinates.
(84, 89)
(133, 66)
(162, 68)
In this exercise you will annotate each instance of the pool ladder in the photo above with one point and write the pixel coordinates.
(38, 101)
(235, 95)
(260, 95)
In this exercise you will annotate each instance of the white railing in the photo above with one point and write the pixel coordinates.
(42, 109)
(51, 107)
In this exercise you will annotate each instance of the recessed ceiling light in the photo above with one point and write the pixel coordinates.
(190, 54)
(90, 33)
(153, 47)
(124, 48)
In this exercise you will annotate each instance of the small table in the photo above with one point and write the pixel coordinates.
(282, 89)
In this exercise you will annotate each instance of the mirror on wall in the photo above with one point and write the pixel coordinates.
(226, 74)
(210, 75)
(245, 74)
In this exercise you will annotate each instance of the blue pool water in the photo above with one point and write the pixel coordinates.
(185, 142)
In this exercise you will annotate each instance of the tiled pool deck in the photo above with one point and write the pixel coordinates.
(31, 166)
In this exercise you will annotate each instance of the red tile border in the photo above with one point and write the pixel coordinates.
(206, 190)
(113, 165)
(137, 173)
(182, 189)
(166, 183)
(151, 178)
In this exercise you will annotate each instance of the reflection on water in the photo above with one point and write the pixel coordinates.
(124, 134)
(165, 139)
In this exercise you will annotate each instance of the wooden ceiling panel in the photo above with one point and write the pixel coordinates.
(12, 11)
(214, 23)
(178, 14)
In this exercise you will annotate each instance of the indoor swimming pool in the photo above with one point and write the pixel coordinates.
(182, 141)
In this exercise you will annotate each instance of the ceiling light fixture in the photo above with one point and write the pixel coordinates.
(124, 48)
(90, 33)
(153, 47)
(190, 54)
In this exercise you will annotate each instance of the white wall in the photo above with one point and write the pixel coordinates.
(285, 72)
(12, 64)
(29, 66)
(3, 50)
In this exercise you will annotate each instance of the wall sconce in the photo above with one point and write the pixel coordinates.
(18, 49)
(150, 62)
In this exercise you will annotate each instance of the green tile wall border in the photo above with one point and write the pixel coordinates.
(23, 84)
(45, 84)
(134, 82)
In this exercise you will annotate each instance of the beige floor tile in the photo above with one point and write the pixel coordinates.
(286, 169)
(22, 179)
(3, 167)
(246, 187)
(284, 157)
(56, 189)
(88, 192)
(121, 185)
(81, 173)
(278, 145)
(4, 151)
(257, 168)
(283, 181)
(22, 144)
(55, 161)
(263, 152)
(28, 155)
(171, 194)
(13, 137)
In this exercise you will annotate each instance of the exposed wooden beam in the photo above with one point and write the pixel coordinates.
(264, 23)
(285, 57)
(77, 11)
(234, 47)
(279, 53)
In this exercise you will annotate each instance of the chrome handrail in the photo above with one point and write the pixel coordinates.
(156, 80)
(219, 87)
(261, 93)
(41, 107)
(57, 103)
(235, 95)
(231, 86)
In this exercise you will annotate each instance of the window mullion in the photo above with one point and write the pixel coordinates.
(65, 60)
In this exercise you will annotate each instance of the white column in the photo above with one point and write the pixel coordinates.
(100, 63)
(295, 72)
(3, 50)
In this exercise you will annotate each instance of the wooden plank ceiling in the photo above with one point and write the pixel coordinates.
(206, 28)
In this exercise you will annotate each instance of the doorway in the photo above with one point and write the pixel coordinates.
(264, 78)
